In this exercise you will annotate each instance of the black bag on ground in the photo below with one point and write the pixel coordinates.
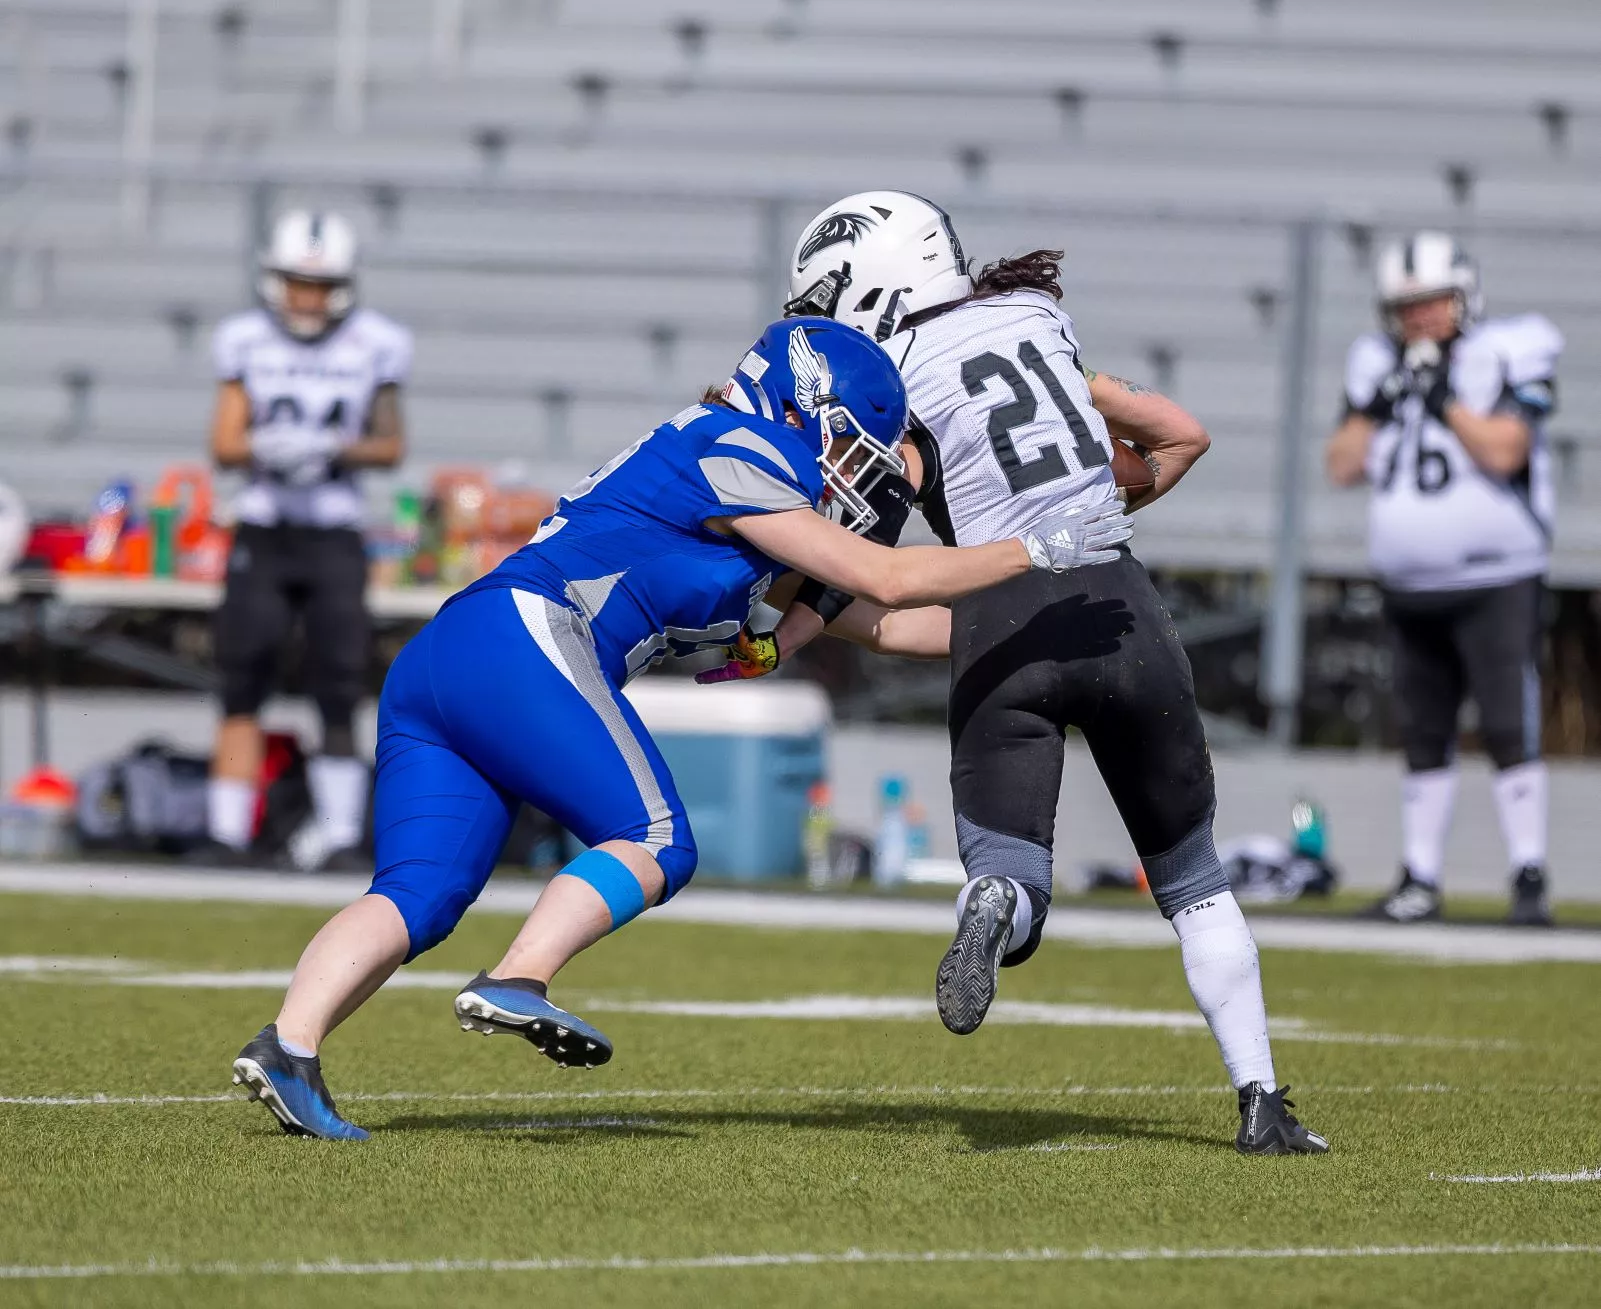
(152, 800)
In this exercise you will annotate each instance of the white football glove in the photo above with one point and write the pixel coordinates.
(1076, 538)
(297, 456)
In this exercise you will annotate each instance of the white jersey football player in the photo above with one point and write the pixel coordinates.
(1445, 417)
(308, 394)
(1008, 423)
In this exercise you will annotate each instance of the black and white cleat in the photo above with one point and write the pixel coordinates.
(964, 986)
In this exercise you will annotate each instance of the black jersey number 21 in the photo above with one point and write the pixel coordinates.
(1047, 464)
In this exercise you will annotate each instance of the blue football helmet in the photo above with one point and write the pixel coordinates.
(839, 388)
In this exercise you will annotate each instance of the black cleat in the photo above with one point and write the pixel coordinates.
(1267, 1126)
(1412, 901)
(1529, 905)
(964, 987)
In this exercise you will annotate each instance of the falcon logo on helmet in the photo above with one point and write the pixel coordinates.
(870, 274)
(835, 229)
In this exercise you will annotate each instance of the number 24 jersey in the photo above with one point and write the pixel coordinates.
(325, 385)
(1437, 521)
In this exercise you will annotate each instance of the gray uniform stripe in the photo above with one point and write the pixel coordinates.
(749, 440)
(736, 482)
(560, 635)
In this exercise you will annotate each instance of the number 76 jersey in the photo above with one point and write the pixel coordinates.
(1437, 521)
(996, 383)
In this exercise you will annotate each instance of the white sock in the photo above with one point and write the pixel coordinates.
(1221, 967)
(231, 811)
(1521, 797)
(1426, 801)
(1022, 919)
(339, 800)
(299, 1051)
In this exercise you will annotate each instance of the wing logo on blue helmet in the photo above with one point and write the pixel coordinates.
(814, 380)
(836, 229)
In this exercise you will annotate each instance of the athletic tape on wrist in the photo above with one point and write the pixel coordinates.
(610, 878)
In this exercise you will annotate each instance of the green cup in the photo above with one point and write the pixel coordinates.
(163, 540)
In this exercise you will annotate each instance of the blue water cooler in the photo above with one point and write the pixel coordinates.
(744, 756)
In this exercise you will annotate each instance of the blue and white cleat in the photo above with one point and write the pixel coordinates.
(518, 1005)
(292, 1087)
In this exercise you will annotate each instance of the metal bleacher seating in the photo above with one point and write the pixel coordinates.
(584, 210)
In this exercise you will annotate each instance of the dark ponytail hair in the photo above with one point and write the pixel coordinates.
(1038, 270)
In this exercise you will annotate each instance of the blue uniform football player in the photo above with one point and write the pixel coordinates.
(513, 692)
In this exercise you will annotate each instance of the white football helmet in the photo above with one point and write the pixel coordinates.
(1425, 265)
(309, 247)
(870, 259)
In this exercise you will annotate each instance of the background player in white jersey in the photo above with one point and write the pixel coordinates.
(308, 393)
(1445, 412)
(1007, 424)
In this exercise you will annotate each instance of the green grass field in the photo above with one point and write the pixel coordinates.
(738, 1160)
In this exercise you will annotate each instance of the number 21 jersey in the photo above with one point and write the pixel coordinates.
(1437, 521)
(996, 383)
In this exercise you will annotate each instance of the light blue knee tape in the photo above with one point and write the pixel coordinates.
(609, 876)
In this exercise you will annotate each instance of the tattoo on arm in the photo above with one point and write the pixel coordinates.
(1133, 388)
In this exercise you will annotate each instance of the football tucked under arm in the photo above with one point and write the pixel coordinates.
(1135, 473)
(1168, 439)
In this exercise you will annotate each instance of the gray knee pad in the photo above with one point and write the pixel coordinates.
(1190, 871)
(987, 853)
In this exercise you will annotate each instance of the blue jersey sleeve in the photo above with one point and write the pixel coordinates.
(747, 472)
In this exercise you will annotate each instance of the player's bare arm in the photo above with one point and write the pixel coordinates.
(1345, 456)
(383, 444)
(895, 579)
(922, 633)
(230, 426)
(1166, 436)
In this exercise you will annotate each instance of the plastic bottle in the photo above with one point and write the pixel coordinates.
(408, 529)
(917, 840)
(890, 847)
(815, 834)
(110, 516)
(163, 540)
(1311, 830)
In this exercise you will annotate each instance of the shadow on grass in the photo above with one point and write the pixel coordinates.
(981, 1129)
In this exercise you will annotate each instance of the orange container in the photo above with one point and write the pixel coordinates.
(134, 552)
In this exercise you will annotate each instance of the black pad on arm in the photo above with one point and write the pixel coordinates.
(892, 500)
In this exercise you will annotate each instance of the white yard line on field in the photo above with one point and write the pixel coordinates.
(795, 1259)
(827, 1008)
(1583, 1175)
(1437, 942)
(1048, 1147)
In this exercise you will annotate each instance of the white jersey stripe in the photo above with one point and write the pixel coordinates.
(558, 632)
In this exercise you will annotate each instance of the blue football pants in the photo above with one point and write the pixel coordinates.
(501, 700)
